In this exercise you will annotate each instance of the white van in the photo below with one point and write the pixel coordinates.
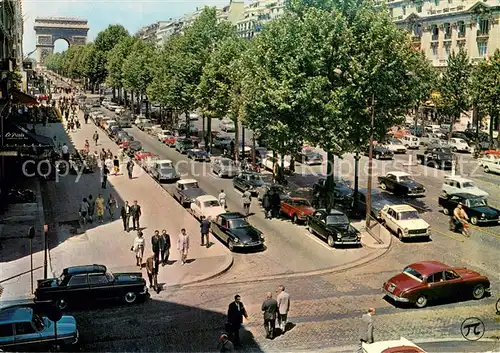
(410, 141)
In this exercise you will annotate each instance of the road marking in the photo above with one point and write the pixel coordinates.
(212, 175)
(319, 241)
(448, 235)
(485, 231)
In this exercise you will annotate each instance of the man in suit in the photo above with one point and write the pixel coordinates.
(204, 229)
(135, 213)
(269, 307)
(164, 247)
(366, 329)
(235, 313)
(283, 299)
(125, 214)
(155, 245)
(152, 269)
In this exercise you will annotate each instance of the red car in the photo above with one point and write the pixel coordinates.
(425, 281)
(297, 208)
(170, 141)
(139, 156)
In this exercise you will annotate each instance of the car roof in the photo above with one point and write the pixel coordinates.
(14, 315)
(332, 211)
(402, 208)
(187, 181)
(457, 178)
(76, 270)
(397, 173)
(295, 198)
(465, 195)
(427, 268)
(232, 215)
(203, 198)
(160, 161)
(401, 345)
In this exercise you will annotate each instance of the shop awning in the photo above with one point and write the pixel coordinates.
(19, 97)
(15, 136)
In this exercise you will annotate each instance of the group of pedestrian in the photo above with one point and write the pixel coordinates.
(89, 207)
(271, 202)
(127, 212)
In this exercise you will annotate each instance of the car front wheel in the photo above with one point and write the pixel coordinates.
(421, 301)
(130, 297)
(331, 241)
(474, 220)
(61, 304)
(295, 220)
(230, 245)
(383, 186)
(478, 291)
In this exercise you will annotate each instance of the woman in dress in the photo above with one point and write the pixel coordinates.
(99, 208)
(138, 248)
(112, 206)
(86, 147)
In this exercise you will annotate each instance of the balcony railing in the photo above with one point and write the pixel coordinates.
(447, 36)
(482, 34)
(461, 35)
(435, 37)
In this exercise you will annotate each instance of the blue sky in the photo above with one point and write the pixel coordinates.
(101, 13)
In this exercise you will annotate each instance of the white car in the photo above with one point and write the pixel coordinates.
(194, 116)
(405, 221)
(456, 184)
(490, 163)
(395, 146)
(270, 162)
(410, 141)
(207, 206)
(459, 145)
(228, 126)
(396, 346)
(163, 134)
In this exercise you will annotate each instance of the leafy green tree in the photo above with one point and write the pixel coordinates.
(137, 68)
(94, 66)
(108, 38)
(486, 90)
(116, 58)
(454, 87)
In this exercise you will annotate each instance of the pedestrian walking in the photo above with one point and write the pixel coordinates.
(86, 118)
(130, 168)
(164, 247)
(112, 206)
(84, 210)
(155, 245)
(225, 345)
(204, 229)
(95, 137)
(91, 202)
(235, 314)
(183, 245)
(275, 204)
(247, 200)
(109, 154)
(269, 308)
(116, 165)
(152, 269)
(138, 248)
(135, 213)
(102, 156)
(266, 204)
(99, 207)
(86, 146)
(366, 329)
(72, 125)
(125, 214)
(77, 123)
(65, 152)
(105, 172)
(283, 299)
(222, 199)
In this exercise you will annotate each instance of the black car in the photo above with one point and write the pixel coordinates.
(135, 145)
(309, 157)
(334, 227)
(342, 191)
(401, 183)
(378, 201)
(379, 152)
(437, 157)
(476, 208)
(90, 284)
(233, 229)
(267, 187)
(198, 155)
(250, 180)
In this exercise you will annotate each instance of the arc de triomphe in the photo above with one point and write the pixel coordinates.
(49, 29)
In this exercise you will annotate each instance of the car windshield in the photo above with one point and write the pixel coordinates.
(61, 279)
(301, 203)
(478, 202)
(404, 216)
(405, 178)
(255, 178)
(468, 184)
(413, 273)
(191, 185)
(396, 142)
(238, 223)
(166, 165)
(38, 321)
(226, 162)
(336, 219)
(110, 276)
(165, 170)
(211, 203)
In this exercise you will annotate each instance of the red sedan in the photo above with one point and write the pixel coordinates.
(426, 281)
(170, 141)
(297, 208)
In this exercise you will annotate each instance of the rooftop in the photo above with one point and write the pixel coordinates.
(85, 269)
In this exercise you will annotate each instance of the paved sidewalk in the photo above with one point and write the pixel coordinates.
(108, 244)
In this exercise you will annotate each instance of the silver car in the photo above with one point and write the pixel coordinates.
(164, 173)
(225, 168)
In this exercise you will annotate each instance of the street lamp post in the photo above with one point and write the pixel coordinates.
(370, 167)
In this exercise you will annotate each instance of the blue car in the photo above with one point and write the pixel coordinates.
(198, 155)
(22, 328)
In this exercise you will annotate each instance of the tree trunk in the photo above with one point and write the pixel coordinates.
(188, 123)
(125, 94)
(114, 94)
(208, 143)
(330, 199)
(236, 139)
(132, 102)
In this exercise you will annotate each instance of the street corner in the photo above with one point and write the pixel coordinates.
(378, 237)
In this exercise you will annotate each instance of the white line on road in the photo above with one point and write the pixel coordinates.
(212, 175)
(319, 241)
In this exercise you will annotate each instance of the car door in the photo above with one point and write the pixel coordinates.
(6, 334)
(454, 284)
(322, 232)
(390, 181)
(391, 220)
(437, 286)
(177, 192)
(100, 288)
(26, 334)
(77, 289)
(238, 181)
(196, 207)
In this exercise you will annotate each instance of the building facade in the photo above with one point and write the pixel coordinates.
(166, 29)
(440, 27)
(256, 14)
(148, 33)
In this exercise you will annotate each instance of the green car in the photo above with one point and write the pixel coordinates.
(24, 330)
(184, 145)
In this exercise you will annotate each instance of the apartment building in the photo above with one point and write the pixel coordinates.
(256, 14)
(148, 33)
(439, 27)
(167, 29)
